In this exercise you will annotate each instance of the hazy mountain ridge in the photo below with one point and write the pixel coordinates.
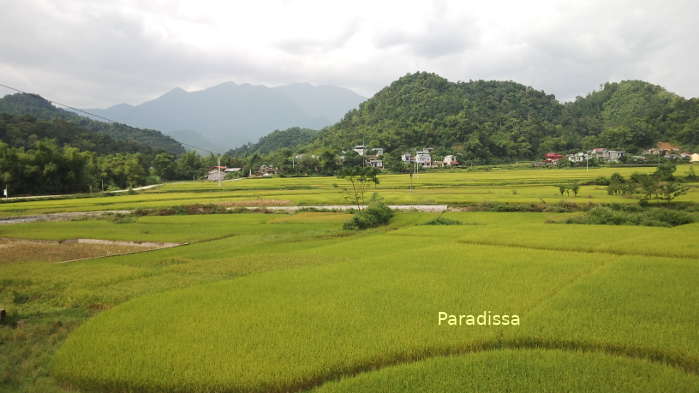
(231, 114)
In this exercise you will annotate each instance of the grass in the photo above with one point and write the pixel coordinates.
(378, 307)
(455, 188)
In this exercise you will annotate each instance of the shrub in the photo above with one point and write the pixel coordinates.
(656, 217)
(376, 213)
(441, 220)
(210, 208)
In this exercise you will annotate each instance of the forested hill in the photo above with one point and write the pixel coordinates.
(33, 115)
(496, 120)
(278, 139)
(633, 114)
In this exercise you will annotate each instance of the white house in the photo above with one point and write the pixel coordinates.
(406, 157)
(423, 157)
(578, 157)
(360, 149)
(450, 160)
(694, 157)
(605, 154)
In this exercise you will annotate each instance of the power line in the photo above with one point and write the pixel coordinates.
(92, 114)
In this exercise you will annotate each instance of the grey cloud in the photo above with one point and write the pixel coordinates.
(307, 46)
(90, 57)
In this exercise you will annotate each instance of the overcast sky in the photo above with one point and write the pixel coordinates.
(99, 53)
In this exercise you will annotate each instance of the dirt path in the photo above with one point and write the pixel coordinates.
(59, 216)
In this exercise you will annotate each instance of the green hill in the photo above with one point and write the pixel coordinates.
(492, 121)
(482, 119)
(278, 139)
(39, 117)
(633, 115)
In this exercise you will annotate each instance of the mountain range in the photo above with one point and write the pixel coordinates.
(230, 114)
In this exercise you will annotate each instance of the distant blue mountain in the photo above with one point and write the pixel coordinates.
(230, 114)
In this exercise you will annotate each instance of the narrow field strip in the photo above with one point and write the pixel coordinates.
(520, 371)
(686, 364)
(568, 249)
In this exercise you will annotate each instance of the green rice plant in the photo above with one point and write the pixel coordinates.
(380, 310)
(522, 371)
(284, 302)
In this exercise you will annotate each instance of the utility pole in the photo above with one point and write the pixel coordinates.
(219, 170)
(587, 162)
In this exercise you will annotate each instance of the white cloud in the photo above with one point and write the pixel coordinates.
(97, 53)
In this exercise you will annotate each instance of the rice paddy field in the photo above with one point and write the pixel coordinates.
(293, 303)
(454, 188)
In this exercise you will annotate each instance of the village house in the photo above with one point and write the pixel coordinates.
(424, 158)
(552, 158)
(359, 149)
(694, 157)
(406, 157)
(216, 173)
(604, 154)
(450, 160)
(373, 160)
(663, 149)
(266, 171)
(579, 157)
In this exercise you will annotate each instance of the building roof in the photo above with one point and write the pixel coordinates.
(667, 146)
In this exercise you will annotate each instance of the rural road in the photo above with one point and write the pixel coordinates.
(59, 196)
(75, 215)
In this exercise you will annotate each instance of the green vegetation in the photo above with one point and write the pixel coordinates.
(441, 220)
(359, 181)
(656, 217)
(525, 371)
(493, 121)
(276, 140)
(39, 117)
(375, 214)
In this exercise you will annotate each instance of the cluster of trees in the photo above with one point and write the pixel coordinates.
(662, 184)
(48, 168)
